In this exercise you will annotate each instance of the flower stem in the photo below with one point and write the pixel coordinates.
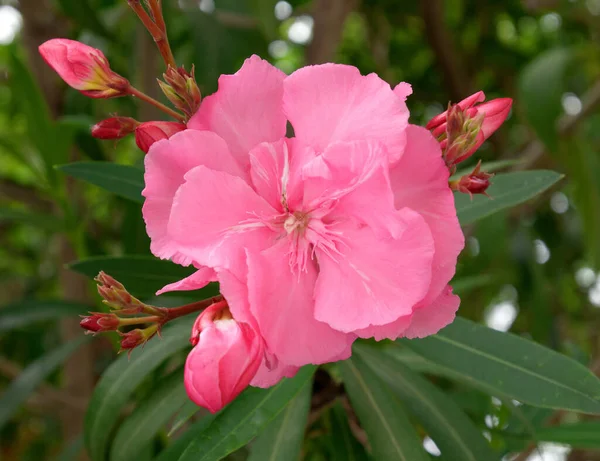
(174, 312)
(144, 97)
(138, 320)
(156, 27)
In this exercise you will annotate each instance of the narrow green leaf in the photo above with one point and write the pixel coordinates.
(120, 380)
(585, 435)
(23, 313)
(244, 418)
(123, 180)
(32, 377)
(344, 445)
(176, 449)
(490, 167)
(391, 435)
(141, 275)
(540, 89)
(31, 218)
(282, 438)
(188, 410)
(507, 190)
(510, 366)
(445, 422)
(138, 430)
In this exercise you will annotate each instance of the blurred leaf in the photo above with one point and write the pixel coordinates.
(585, 435)
(176, 449)
(31, 218)
(265, 12)
(185, 413)
(282, 438)
(85, 15)
(540, 91)
(23, 313)
(89, 145)
(507, 190)
(141, 275)
(20, 389)
(138, 430)
(119, 381)
(490, 167)
(123, 180)
(464, 285)
(73, 450)
(453, 432)
(391, 435)
(512, 366)
(245, 417)
(345, 447)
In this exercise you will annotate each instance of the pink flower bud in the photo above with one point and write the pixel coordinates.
(114, 128)
(225, 358)
(148, 133)
(476, 182)
(98, 322)
(464, 127)
(84, 68)
(137, 337)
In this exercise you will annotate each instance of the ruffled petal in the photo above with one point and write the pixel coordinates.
(216, 216)
(375, 280)
(166, 165)
(333, 102)
(246, 110)
(284, 309)
(420, 181)
(431, 318)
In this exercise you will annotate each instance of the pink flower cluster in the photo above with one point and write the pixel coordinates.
(323, 214)
(345, 230)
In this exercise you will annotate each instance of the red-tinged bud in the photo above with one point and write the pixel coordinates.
(148, 133)
(181, 89)
(108, 281)
(98, 322)
(476, 182)
(117, 296)
(213, 313)
(114, 128)
(84, 68)
(463, 128)
(137, 337)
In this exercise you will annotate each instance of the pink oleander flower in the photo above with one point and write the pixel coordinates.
(84, 68)
(464, 127)
(346, 230)
(148, 133)
(225, 358)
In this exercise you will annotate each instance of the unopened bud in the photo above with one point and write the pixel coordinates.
(137, 337)
(84, 68)
(148, 133)
(181, 89)
(116, 295)
(114, 128)
(98, 322)
(476, 182)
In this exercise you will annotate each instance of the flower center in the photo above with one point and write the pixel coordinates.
(296, 222)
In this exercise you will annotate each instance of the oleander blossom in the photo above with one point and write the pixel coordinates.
(347, 229)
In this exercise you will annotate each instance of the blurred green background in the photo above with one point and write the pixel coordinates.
(531, 270)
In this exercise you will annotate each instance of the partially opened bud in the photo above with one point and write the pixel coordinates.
(464, 127)
(181, 89)
(225, 358)
(98, 322)
(114, 128)
(84, 68)
(148, 133)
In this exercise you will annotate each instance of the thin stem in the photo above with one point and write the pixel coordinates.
(144, 97)
(138, 320)
(174, 312)
(157, 29)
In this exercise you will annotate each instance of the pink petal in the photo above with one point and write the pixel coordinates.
(420, 181)
(431, 318)
(215, 216)
(199, 279)
(376, 280)
(166, 164)
(246, 110)
(267, 377)
(275, 169)
(333, 102)
(73, 61)
(284, 309)
(403, 90)
(353, 176)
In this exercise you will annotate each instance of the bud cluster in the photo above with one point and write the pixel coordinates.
(462, 129)
(181, 89)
